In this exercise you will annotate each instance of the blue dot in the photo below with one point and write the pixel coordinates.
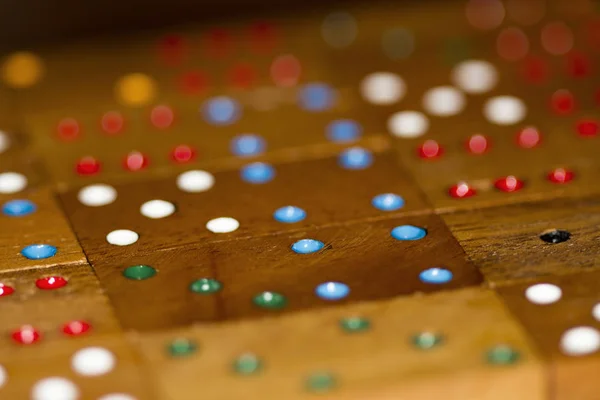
(248, 145)
(356, 158)
(18, 208)
(258, 173)
(343, 131)
(316, 97)
(221, 110)
(436, 275)
(388, 202)
(332, 290)
(307, 246)
(38, 251)
(289, 214)
(408, 232)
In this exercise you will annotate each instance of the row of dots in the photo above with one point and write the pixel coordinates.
(45, 283)
(27, 334)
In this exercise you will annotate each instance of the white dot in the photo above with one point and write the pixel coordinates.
(504, 110)
(97, 195)
(4, 142)
(543, 293)
(54, 388)
(156, 209)
(195, 181)
(444, 101)
(580, 341)
(408, 124)
(122, 237)
(596, 312)
(382, 88)
(3, 376)
(475, 76)
(93, 361)
(117, 396)
(222, 225)
(12, 182)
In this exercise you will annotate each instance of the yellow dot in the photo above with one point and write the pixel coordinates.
(135, 89)
(22, 70)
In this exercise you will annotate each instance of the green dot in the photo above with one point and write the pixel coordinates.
(271, 300)
(182, 347)
(355, 324)
(456, 50)
(206, 286)
(247, 364)
(320, 382)
(427, 340)
(139, 272)
(502, 355)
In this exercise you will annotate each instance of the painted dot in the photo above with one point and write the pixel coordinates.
(222, 225)
(18, 208)
(135, 161)
(436, 276)
(398, 43)
(39, 251)
(182, 347)
(502, 355)
(183, 154)
(116, 396)
(355, 324)
(475, 76)
(6, 290)
(512, 44)
(221, 110)
(343, 131)
(526, 12)
(247, 364)
(93, 361)
(316, 97)
(3, 376)
(257, 173)
(193, 82)
(356, 158)
(461, 190)
(332, 290)
(320, 382)
(339, 29)
(248, 145)
(135, 90)
(4, 142)
(555, 236)
(408, 124)
(578, 64)
(242, 76)
(580, 341)
(286, 70)
(172, 49)
(22, 70)
(509, 184)
(122, 237)
(263, 37)
(443, 101)
(219, 43)
(206, 286)
(478, 144)
(560, 176)
(307, 246)
(505, 110)
(270, 300)
(162, 117)
(382, 88)
(430, 149)
(596, 312)
(139, 272)
(112, 123)
(97, 195)
(408, 232)
(427, 340)
(562, 102)
(76, 328)
(535, 70)
(68, 129)
(54, 388)
(529, 137)
(195, 181)
(12, 182)
(557, 38)
(87, 166)
(588, 128)
(387, 202)
(51, 283)
(26, 335)
(455, 49)
(543, 293)
(156, 209)
(289, 214)
(485, 14)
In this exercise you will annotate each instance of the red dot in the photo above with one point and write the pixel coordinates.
(112, 122)
(509, 184)
(587, 127)
(218, 43)
(461, 191)
(76, 328)
(512, 44)
(172, 49)
(592, 32)
(286, 70)
(597, 97)
(162, 117)
(263, 37)
(87, 166)
(68, 129)
(6, 290)
(560, 175)
(242, 76)
(578, 65)
(51, 282)
(535, 70)
(193, 82)
(562, 102)
(478, 144)
(430, 149)
(529, 137)
(183, 154)
(26, 335)
(135, 161)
